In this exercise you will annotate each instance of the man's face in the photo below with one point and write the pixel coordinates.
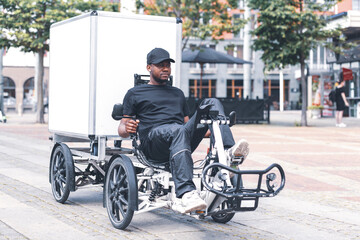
(160, 72)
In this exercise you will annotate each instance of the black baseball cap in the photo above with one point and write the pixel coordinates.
(158, 55)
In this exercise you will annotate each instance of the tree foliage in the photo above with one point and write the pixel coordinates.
(201, 19)
(287, 31)
(25, 24)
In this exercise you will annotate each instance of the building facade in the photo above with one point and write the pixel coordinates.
(19, 81)
(226, 80)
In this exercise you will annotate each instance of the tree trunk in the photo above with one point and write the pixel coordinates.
(303, 94)
(39, 86)
(1, 82)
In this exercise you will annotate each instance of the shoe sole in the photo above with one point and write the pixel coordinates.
(194, 208)
(242, 150)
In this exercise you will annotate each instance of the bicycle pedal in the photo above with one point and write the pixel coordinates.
(199, 212)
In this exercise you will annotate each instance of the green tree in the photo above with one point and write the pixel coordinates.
(288, 30)
(201, 19)
(25, 24)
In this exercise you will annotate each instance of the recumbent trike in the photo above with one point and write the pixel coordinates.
(133, 183)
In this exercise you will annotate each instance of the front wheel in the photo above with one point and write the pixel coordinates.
(223, 217)
(121, 192)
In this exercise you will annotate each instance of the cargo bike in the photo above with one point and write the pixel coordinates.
(88, 75)
(134, 184)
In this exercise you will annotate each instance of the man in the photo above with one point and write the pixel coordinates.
(165, 130)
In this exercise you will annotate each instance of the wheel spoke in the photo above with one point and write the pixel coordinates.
(114, 176)
(57, 187)
(116, 208)
(122, 190)
(111, 196)
(56, 164)
(62, 161)
(112, 185)
(122, 179)
(123, 200)
(120, 207)
(62, 179)
(120, 172)
(61, 187)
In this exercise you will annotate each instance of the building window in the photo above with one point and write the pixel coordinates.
(9, 92)
(205, 88)
(322, 55)
(235, 51)
(29, 92)
(355, 4)
(315, 56)
(234, 88)
(272, 92)
(241, 32)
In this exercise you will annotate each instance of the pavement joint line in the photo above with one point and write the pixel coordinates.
(8, 232)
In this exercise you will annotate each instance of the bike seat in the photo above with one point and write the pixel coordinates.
(159, 165)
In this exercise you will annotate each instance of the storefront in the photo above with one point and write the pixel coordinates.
(347, 63)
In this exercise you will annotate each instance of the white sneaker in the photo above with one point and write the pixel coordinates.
(337, 125)
(342, 125)
(239, 151)
(192, 201)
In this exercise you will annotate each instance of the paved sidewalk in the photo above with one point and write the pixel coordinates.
(321, 199)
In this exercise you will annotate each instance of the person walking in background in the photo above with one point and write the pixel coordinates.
(341, 102)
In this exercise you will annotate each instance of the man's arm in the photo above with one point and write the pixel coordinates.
(344, 98)
(127, 126)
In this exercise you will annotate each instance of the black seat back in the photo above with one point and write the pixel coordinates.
(144, 79)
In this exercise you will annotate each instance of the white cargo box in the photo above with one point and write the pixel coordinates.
(93, 59)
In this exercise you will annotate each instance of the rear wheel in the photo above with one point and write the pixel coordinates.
(61, 173)
(121, 192)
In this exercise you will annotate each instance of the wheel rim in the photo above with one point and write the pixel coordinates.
(118, 193)
(59, 175)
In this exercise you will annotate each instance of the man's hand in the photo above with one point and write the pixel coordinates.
(131, 125)
(127, 126)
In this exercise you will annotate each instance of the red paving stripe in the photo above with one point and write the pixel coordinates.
(306, 184)
(350, 174)
(325, 159)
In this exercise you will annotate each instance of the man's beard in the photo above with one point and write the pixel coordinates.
(160, 80)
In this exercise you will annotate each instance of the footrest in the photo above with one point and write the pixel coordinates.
(238, 191)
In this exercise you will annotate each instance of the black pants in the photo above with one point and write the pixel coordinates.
(175, 143)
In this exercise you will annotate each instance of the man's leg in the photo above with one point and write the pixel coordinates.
(182, 172)
(226, 133)
(236, 151)
(171, 141)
